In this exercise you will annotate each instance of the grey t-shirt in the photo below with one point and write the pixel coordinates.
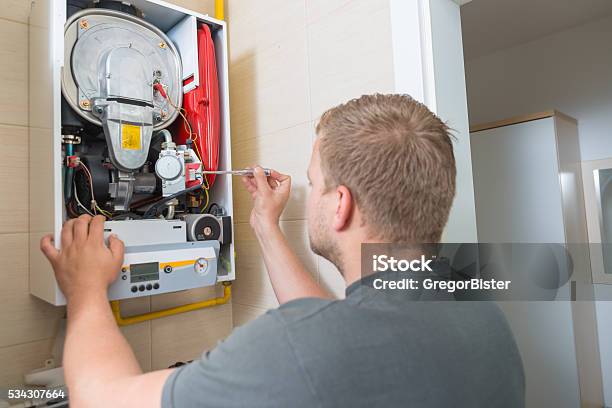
(370, 349)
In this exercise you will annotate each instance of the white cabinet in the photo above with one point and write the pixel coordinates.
(528, 189)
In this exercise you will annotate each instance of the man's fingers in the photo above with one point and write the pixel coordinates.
(81, 228)
(279, 180)
(47, 248)
(280, 177)
(261, 179)
(285, 183)
(249, 184)
(67, 233)
(96, 229)
(116, 247)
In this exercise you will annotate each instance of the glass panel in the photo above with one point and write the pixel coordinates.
(603, 187)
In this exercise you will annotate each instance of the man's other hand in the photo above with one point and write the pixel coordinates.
(270, 195)
(84, 263)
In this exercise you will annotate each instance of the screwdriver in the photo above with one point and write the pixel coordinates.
(242, 172)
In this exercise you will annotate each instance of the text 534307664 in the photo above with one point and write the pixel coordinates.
(35, 393)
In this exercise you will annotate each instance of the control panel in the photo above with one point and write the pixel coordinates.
(176, 267)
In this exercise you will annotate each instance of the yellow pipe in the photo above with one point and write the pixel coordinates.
(219, 10)
(124, 321)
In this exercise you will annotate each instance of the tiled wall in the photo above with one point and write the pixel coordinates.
(28, 325)
(290, 60)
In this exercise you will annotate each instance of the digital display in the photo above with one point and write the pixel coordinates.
(144, 272)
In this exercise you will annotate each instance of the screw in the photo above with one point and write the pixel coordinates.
(85, 104)
(84, 24)
(162, 45)
(99, 109)
(157, 117)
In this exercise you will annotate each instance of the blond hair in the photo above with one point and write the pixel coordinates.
(396, 157)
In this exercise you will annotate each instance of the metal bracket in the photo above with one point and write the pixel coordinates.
(71, 139)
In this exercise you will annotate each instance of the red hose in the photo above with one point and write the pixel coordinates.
(202, 106)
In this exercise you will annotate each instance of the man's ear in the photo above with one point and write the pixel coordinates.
(344, 208)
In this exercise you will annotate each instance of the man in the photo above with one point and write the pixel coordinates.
(382, 170)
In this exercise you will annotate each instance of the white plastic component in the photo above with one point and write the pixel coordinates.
(168, 167)
(48, 377)
(147, 232)
(184, 35)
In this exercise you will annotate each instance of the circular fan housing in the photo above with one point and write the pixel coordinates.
(93, 34)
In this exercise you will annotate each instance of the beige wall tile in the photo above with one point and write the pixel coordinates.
(139, 334)
(269, 89)
(186, 336)
(139, 337)
(255, 26)
(136, 306)
(40, 113)
(317, 9)
(330, 278)
(21, 359)
(16, 10)
(244, 313)
(168, 300)
(14, 73)
(14, 179)
(287, 151)
(23, 318)
(252, 286)
(297, 235)
(350, 54)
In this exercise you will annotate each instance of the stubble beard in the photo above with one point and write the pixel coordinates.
(322, 245)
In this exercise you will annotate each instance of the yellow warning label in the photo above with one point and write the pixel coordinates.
(130, 137)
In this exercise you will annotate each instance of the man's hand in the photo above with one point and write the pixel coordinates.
(84, 263)
(270, 195)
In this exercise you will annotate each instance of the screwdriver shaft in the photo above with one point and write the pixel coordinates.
(242, 172)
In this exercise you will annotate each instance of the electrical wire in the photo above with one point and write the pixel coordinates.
(152, 210)
(76, 197)
(94, 205)
(207, 200)
(91, 190)
(187, 126)
(144, 202)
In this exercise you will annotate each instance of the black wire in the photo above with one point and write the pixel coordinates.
(152, 210)
(211, 206)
